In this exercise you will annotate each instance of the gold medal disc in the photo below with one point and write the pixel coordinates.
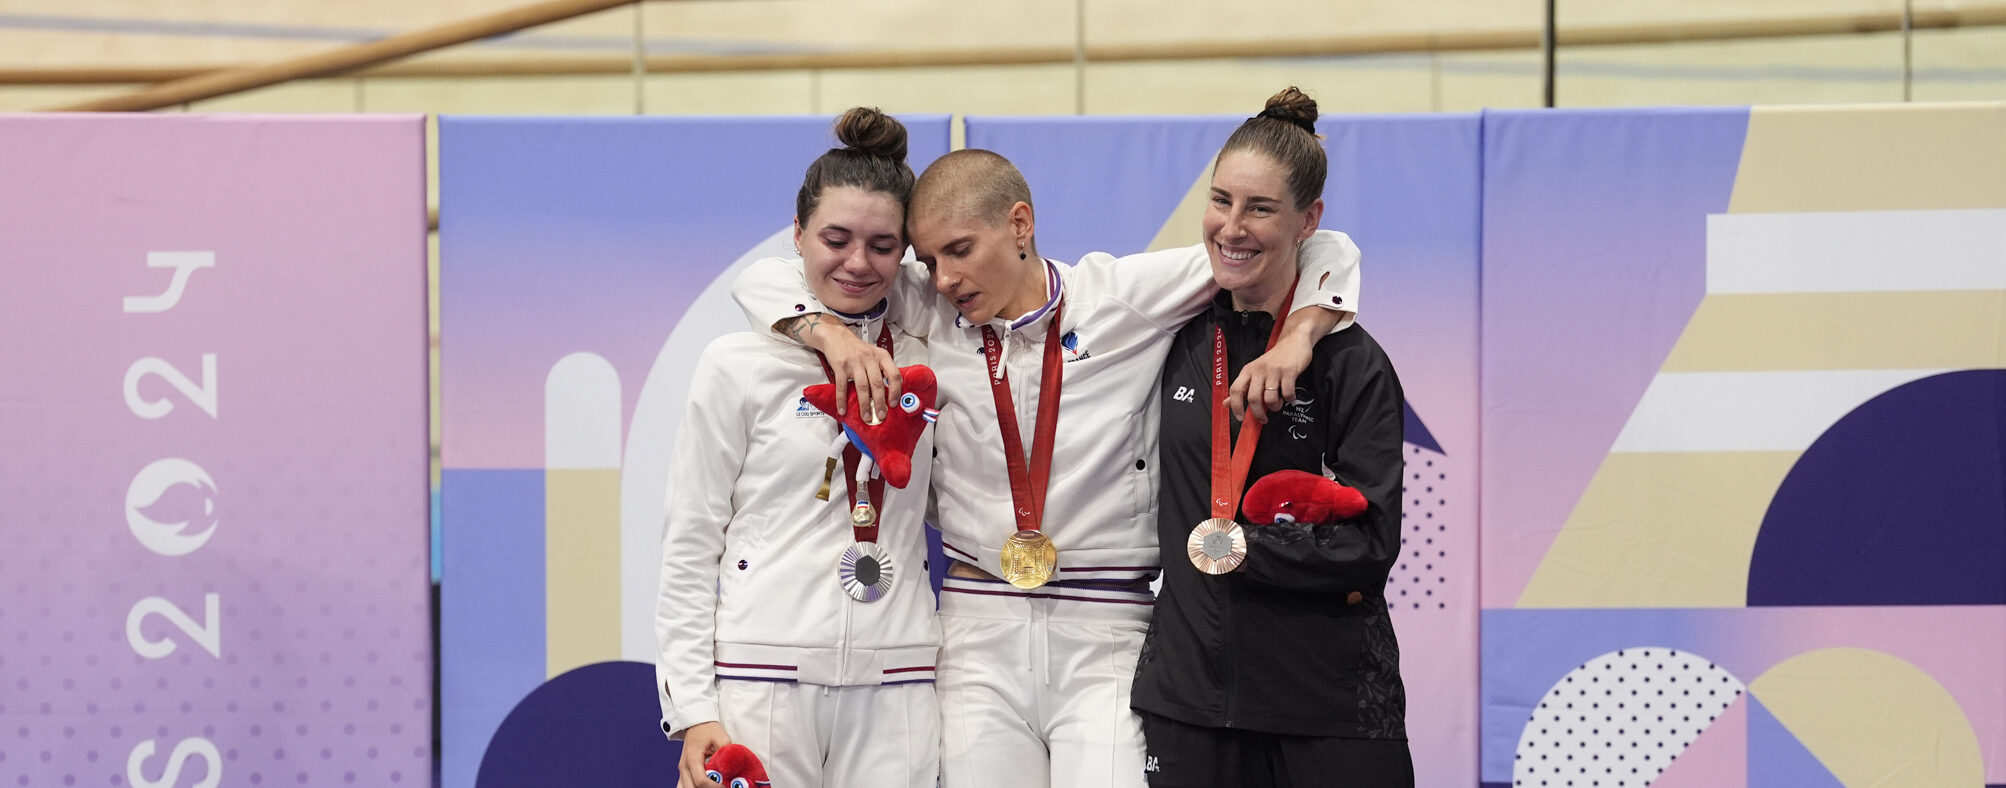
(1029, 558)
(1217, 546)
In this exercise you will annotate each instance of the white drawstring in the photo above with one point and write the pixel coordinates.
(1002, 357)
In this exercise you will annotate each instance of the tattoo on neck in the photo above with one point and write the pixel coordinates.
(798, 328)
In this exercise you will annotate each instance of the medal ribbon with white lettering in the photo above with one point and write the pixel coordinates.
(1029, 558)
(865, 570)
(1219, 545)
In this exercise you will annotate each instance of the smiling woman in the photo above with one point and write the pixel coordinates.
(1272, 658)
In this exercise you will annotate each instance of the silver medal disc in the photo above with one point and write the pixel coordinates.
(865, 571)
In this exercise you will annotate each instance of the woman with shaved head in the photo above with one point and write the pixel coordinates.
(1045, 479)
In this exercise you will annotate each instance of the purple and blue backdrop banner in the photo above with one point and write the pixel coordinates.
(584, 265)
(1744, 447)
(1406, 189)
(214, 463)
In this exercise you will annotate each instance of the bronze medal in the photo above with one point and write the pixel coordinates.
(1217, 546)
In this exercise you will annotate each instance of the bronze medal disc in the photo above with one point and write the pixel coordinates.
(1217, 546)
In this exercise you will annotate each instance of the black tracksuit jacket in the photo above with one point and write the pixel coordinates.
(1298, 641)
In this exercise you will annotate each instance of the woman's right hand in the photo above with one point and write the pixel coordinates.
(701, 741)
(852, 362)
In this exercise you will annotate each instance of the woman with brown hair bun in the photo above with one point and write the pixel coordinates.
(785, 622)
(1271, 659)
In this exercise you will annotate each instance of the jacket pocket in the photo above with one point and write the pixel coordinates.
(1142, 469)
(743, 557)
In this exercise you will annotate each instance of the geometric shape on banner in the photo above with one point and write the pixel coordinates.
(1940, 330)
(581, 551)
(492, 650)
(1882, 158)
(1621, 718)
(1184, 226)
(1873, 719)
(581, 413)
(1661, 529)
(1718, 759)
(1417, 432)
(1776, 759)
(1901, 502)
(1419, 578)
(597, 725)
(581, 481)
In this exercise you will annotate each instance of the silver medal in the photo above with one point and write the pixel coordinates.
(865, 571)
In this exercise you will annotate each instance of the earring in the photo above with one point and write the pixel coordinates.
(1021, 254)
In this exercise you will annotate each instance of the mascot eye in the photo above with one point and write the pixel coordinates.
(714, 775)
(909, 401)
(740, 782)
(1283, 517)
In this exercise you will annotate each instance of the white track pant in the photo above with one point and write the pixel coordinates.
(1034, 687)
(812, 736)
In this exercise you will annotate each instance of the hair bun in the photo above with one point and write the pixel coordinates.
(1294, 107)
(872, 133)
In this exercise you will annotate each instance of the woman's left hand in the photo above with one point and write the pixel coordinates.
(1269, 382)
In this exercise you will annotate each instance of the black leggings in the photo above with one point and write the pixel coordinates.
(1182, 755)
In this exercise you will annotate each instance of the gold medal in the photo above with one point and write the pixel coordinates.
(1029, 558)
(1217, 546)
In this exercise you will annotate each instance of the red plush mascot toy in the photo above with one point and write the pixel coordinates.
(1301, 497)
(734, 766)
(889, 443)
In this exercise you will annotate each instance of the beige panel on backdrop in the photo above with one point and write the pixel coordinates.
(1661, 529)
(1926, 157)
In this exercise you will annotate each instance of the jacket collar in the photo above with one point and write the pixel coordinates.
(1055, 289)
(1224, 314)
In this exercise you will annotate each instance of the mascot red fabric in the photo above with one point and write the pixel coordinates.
(1300, 497)
(734, 766)
(889, 443)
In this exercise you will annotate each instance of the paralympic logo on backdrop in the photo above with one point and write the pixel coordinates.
(165, 499)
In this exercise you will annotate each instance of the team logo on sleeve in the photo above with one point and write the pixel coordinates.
(1074, 349)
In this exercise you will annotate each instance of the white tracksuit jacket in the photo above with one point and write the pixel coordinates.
(749, 587)
(1119, 318)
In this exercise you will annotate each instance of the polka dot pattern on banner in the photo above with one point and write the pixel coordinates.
(1620, 719)
(1420, 579)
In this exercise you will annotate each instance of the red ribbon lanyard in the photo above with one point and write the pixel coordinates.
(1229, 473)
(1027, 485)
(852, 455)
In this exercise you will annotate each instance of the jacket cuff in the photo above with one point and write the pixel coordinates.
(686, 717)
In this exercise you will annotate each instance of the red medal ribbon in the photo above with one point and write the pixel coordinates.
(1027, 484)
(853, 455)
(1229, 472)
